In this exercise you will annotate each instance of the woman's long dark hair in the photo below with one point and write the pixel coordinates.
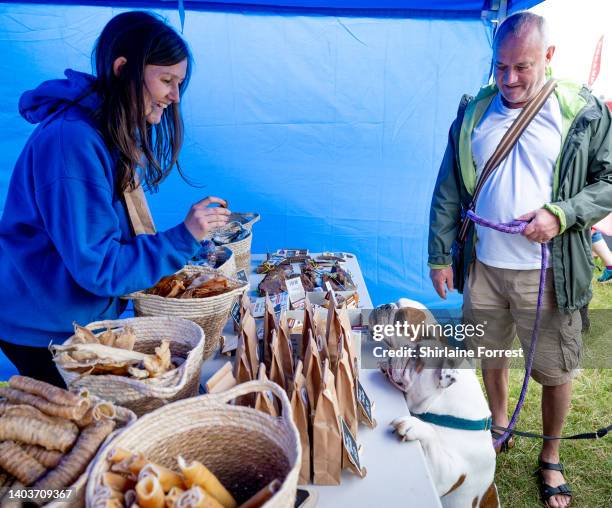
(143, 39)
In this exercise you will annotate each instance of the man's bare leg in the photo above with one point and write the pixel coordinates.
(496, 386)
(555, 406)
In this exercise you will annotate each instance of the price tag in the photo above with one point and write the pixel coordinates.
(295, 289)
(365, 404)
(350, 445)
(242, 276)
(235, 312)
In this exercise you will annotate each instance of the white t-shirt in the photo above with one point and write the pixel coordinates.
(523, 181)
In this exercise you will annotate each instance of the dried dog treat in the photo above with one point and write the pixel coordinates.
(48, 458)
(117, 482)
(197, 474)
(149, 493)
(18, 463)
(172, 496)
(103, 409)
(49, 408)
(45, 390)
(84, 335)
(221, 380)
(126, 339)
(197, 497)
(35, 414)
(38, 432)
(166, 477)
(74, 463)
(107, 338)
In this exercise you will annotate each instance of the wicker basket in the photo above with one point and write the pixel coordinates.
(142, 396)
(245, 448)
(76, 497)
(211, 313)
(228, 268)
(242, 248)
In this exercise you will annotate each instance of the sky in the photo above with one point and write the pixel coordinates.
(575, 26)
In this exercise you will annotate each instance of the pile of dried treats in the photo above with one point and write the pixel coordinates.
(111, 352)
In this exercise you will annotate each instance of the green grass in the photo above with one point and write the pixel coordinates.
(588, 463)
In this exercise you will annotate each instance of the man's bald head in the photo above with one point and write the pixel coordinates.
(521, 26)
(520, 56)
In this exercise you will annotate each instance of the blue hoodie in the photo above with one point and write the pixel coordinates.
(66, 248)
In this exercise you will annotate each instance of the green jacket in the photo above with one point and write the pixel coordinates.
(582, 188)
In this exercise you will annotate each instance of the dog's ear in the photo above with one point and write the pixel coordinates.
(447, 377)
(414, 317)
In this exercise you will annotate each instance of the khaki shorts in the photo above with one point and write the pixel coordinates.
(503, 302)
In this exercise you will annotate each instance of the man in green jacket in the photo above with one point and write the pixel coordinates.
(558, 176)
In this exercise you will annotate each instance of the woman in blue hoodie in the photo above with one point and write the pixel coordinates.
(67, 250)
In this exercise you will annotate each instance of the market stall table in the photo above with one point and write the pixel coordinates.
(397, 474)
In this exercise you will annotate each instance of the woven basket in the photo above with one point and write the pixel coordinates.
(142, 396)
(76, 499)
(242, 248)
(228, 268)
(211, 313)
(245, 448)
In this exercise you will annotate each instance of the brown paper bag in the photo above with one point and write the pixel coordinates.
(344, 323)
(307, 326)
(242, 373)
(277, 373)
(333, 334)
(221, 380)
(327, 434)
(265, 401)
(248, 331)
(345, 392)
(300, 410)
(284, 346)
(269, 320)
(313, 372)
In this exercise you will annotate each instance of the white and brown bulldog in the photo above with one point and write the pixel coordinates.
(454, 418)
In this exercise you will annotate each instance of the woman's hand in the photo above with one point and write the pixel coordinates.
(201, 218)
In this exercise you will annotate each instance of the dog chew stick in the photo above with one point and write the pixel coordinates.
(167, 478)
(38, 432)
(172, 496)
(149, 493)
(117, 482)
(197, 497)
(48, 458)
(32, 412)
(198, 474)
(18, 463)
(74, 463)
(263, 496)
(45, 390)
(49, 408)
(101, 410)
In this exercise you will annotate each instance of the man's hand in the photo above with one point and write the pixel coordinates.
(442, 278)
(544, 226)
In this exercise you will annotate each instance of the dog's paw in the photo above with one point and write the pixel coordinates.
(447, 377)
(408, 428)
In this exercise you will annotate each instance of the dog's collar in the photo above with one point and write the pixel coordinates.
(454, 422)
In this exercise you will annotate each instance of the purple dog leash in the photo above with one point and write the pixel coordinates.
(517, 227)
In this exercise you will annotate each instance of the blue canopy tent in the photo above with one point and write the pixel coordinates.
(329, 118)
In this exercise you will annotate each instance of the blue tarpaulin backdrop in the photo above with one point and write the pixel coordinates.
(331, 127)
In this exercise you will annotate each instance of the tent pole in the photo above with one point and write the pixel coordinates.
(493, 17)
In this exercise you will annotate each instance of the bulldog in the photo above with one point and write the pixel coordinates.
(448, 411)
